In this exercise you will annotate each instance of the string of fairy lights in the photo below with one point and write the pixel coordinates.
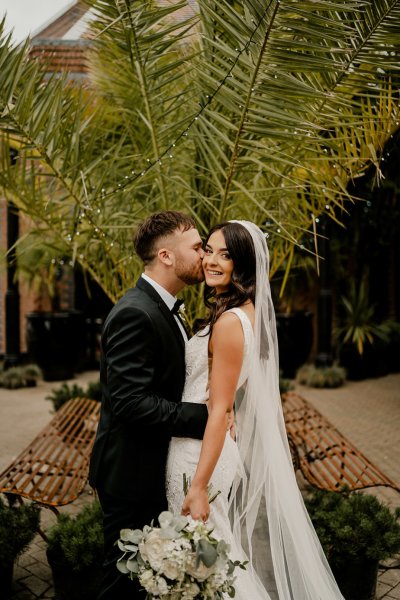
(135, 174)
(86, 208)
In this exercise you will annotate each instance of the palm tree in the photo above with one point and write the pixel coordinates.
(259, 109)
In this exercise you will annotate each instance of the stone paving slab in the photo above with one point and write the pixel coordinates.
(366, 412)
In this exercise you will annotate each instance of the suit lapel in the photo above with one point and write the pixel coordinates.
(169, 317)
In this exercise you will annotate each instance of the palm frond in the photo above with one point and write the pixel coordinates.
(253, 109)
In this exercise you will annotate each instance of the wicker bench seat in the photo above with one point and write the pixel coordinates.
(326, 458)
(53, 469)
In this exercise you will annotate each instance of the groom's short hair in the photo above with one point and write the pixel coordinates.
(156, 226)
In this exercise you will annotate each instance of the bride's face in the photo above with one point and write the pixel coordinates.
(217, 264)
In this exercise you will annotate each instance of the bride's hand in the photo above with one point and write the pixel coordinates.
(196, 504)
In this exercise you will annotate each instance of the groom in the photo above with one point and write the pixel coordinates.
(142, 376)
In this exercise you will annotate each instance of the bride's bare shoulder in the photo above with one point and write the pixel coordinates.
(227, 333)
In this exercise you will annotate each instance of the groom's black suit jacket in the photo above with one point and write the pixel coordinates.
(142, 375)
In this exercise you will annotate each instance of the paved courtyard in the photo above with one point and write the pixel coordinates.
(366, 412)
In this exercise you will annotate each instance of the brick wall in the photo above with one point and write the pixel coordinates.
(3, 273)
(27, 297)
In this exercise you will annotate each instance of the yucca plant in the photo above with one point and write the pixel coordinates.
(254, 110)
(359, 326)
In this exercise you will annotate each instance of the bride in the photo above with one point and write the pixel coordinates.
(232, 364)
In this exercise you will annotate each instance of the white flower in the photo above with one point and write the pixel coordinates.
(147, 580)
(220, 576)
(162, 586)
(201, 572)
(165, 559)
(154, 548)
(172, 569)
(191, 591)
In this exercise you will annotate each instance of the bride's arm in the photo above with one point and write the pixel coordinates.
(226, 345)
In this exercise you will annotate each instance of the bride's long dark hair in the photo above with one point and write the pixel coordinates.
(242, 287)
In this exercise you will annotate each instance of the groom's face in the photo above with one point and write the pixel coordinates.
(187, 254)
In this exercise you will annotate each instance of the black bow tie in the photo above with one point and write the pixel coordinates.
(176, 307)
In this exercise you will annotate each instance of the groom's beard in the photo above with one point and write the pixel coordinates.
(189, 274)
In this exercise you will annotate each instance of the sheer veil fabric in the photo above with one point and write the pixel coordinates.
(267, 490)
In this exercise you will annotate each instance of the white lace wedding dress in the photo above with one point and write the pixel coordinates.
(184, 453)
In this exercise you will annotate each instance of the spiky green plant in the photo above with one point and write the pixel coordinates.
(359, 326)
(78, 540)
(253, 110)
(18, 526)
(354, 526)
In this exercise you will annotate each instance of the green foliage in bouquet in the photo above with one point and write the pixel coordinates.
(78, 541)
(18, 526)
(354, 526)
(65, 392)
(179, 557)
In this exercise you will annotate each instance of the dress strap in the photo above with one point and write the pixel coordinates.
(245, 321)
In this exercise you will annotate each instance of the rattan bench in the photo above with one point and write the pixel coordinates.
(53, 469)
(324, 456)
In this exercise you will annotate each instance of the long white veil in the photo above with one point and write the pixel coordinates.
(270, 521)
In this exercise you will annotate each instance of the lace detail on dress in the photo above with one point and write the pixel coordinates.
(184, 453)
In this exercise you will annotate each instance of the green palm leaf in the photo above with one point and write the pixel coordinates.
(256, 110)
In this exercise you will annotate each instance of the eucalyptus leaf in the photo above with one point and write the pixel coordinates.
(131, 535)
(206, 553)
(121, 566)
(132, 565)
(165, 519)
(169, 533)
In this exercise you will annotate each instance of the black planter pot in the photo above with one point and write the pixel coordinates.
(393, 356)
(370, 364)
(74, 585)
(6, 579)
(357, 580)
(295, 337)
(56, 342)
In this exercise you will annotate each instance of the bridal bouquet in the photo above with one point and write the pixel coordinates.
(179, 560)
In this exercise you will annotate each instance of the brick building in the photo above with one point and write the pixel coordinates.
(62, 45)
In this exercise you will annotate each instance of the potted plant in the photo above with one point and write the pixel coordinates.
(294, 323)
(65, 392)
(393, 346)
(321, 377)
(17, 377)
(356, 531)
(18, 526)
(13, 378)
(361, 338)
(31, 374)
(56, 334)
(75, 554)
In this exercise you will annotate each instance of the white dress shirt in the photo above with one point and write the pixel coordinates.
(168, 298)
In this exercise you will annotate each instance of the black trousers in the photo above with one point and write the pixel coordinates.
(123, 514)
